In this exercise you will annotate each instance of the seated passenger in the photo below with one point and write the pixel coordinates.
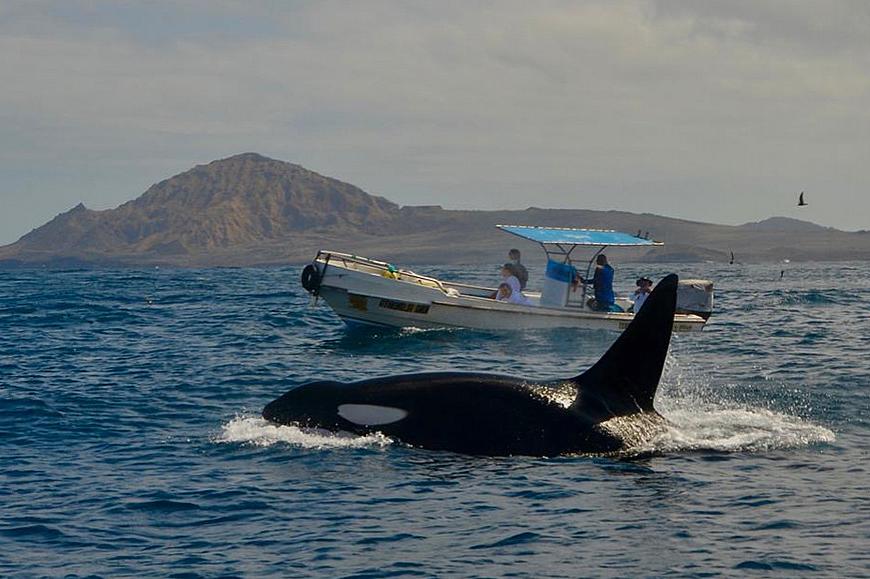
(644, 287)
(602, 281)
(520, 270)
(503, 294)
(508, 276)
(513, 284)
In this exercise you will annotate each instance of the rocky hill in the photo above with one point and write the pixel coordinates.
(783, 224)
(252, 210)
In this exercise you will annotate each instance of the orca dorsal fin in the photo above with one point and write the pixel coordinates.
(625, 379)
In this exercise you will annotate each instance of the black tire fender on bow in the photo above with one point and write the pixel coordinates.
(311, 278)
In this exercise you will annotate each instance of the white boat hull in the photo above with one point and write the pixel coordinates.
(363, 291)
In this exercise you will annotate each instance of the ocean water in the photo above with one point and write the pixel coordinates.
(131, 443)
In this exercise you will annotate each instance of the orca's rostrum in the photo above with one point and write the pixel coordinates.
(603, 410)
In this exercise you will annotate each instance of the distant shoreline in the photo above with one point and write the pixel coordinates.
(249, 210)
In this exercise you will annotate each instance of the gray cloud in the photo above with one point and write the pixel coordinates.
(710, 111)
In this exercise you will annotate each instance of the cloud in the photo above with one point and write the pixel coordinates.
(632, 105)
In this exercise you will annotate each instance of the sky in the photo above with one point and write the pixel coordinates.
(711, 111)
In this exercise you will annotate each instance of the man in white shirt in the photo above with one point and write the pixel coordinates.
(510, 280)
(644, 287)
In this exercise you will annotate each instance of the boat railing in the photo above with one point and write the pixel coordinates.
(470, 289)
(381, 268)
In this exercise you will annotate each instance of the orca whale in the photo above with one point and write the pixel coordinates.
(604, 410)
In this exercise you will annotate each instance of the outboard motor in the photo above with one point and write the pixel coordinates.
(695, 296)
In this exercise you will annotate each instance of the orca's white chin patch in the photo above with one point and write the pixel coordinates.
(371, 415)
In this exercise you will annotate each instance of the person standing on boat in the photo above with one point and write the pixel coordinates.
(520, 270)
(602, 281)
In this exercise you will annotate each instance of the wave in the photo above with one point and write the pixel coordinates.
(813, 297)
(775, 300)
(260, 432)
(703, 416)
(735, 430)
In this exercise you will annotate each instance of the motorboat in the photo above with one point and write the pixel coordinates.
(376, 293)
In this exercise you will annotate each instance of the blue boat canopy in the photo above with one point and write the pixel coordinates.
(572, 236)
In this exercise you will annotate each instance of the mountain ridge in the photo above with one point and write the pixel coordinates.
(248, 209)
(780, 223)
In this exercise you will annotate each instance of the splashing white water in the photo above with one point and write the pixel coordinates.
(260, 432)
(735, 430)
(700, 418)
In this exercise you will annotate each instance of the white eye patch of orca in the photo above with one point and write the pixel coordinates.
(371, 415)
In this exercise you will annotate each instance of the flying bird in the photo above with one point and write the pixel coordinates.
(801, 202)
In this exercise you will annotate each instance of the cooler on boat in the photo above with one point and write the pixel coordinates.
(557, 284)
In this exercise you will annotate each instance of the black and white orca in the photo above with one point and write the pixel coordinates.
(604, 410)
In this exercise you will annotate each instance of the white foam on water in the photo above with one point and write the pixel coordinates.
(260, 432)
(412, 330)
(700, 418)
(735, 430)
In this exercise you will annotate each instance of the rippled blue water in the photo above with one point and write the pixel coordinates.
(130, 443)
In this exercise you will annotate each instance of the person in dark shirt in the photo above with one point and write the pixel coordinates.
(602, 281)
(519, 269)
